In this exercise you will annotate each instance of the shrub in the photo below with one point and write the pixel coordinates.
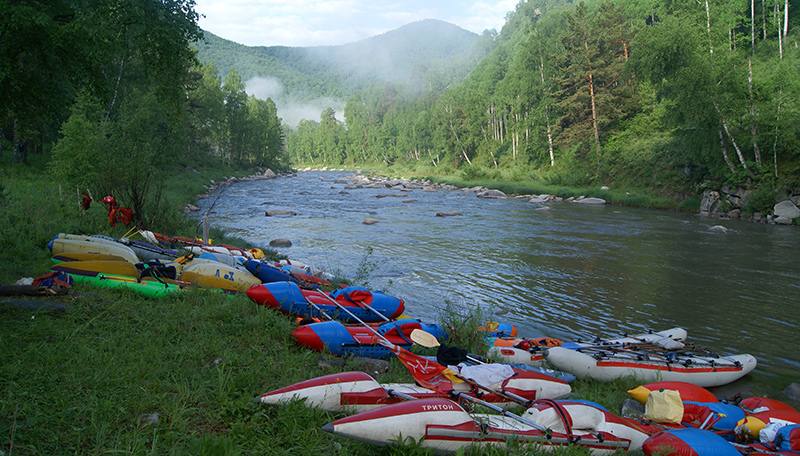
(762, 199)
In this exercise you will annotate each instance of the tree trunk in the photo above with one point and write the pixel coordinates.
(739, 154)
(20, 152)
(547, 115)
(725, 152)
(753, 26)
(708, 28)
(785, 18)
(591, 94)
(756, 150)
(775, 142)
(455, 135)
(780, 35)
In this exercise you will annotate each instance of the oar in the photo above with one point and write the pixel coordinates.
(635, 355)
(354, 317)
(500, 410)
(317, 308)
(427, 339)
(548, 432)
(399, 394)
(362, 306)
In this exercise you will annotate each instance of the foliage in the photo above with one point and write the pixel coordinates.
(33, 209)
(648, 94)
(762, 199)
(462, 321)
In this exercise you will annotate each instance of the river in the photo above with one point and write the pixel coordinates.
(573, 271)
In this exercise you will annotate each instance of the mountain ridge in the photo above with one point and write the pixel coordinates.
(411, 55)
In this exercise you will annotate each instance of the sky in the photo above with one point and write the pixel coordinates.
(335, 22)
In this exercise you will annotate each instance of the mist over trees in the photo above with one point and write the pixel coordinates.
(673, 96)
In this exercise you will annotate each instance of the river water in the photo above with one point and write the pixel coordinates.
(573, 271)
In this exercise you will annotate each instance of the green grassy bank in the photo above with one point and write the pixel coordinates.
(95, 378)
(100, 371)
(513, 183)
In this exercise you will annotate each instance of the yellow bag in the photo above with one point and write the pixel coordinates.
(664, 406)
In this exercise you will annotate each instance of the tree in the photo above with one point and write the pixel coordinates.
(39, 69)
(235, 138)
(130, 62)
(329, 137)
(592, 90)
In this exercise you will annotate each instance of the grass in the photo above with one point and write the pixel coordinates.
(513, 184)
(91, 380)
(124, 375)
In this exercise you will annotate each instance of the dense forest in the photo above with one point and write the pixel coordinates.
(111, 91)
(672, 96)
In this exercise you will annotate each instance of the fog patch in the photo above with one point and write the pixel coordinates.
(292, 112)
(290, 109)
(264, 88)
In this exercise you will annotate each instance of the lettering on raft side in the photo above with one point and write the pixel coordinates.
(438, 407)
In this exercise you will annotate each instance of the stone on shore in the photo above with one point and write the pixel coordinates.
(786, 209)
(280, 242)
(584, 200)
(491, 194)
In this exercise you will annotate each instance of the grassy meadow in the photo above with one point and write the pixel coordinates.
(110, 372)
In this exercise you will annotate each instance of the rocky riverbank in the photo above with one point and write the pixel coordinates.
(729, 203)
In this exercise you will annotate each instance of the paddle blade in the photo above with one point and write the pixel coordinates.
(423, 338)
(427, 373)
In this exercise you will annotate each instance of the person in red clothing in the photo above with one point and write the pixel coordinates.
(115, 212)
(86, 201)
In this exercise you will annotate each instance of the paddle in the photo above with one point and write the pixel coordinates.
(427, 339)
(317, 308)
(420, 370)
(361, 305)
(497, 409)
(354, 317)
(488, 405)
(637, 355)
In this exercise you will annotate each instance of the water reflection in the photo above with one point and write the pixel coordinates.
(571, 271)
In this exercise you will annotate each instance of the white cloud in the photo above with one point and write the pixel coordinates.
(335, 22)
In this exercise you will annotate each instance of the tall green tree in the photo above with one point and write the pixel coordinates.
(40, 67)
(593, 91)
(134, 61)
(235, 139)
(329, 138)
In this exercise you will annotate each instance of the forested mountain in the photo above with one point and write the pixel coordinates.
(672, 96)
(424, 52)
